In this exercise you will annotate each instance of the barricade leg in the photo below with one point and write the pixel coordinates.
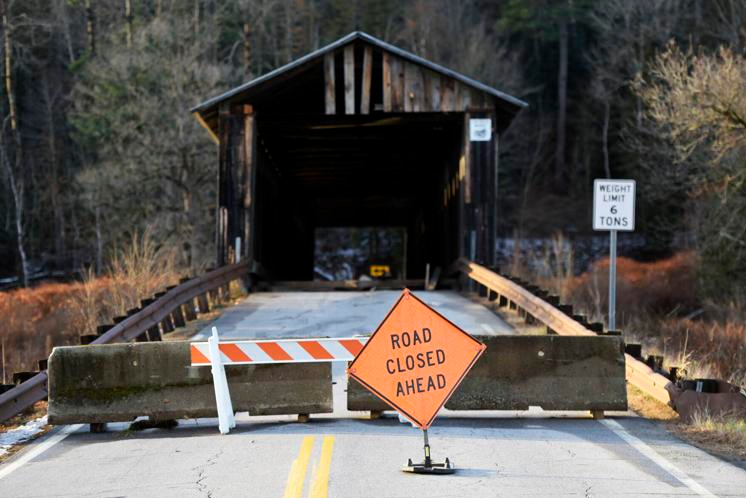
(226, 417)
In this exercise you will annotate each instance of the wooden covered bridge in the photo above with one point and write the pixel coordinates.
(357, 133)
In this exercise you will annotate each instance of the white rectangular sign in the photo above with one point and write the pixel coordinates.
(614, 205)
(480, 130)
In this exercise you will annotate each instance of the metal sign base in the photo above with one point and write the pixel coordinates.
(428, 466)
(434, 468)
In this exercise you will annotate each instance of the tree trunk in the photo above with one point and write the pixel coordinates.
(90, 27)
(247, 51)
(99, 239)
(128, 18)
(196, 18)
(15, 188)
(605, 138)
(58, 215)
(559, 154)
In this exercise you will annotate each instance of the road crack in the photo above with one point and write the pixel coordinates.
(202, 474)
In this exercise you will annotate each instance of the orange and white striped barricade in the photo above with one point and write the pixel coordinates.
(262, 352)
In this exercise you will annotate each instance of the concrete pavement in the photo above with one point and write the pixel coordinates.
(340, 314)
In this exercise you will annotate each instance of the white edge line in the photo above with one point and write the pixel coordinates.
(649, 452)
(37, 449)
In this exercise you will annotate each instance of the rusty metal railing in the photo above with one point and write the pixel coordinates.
(34, 389)
(638, 373)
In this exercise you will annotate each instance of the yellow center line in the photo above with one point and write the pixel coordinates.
(320, 485)
(294, 486)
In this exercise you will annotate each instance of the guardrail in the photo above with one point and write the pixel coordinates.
(145, 324)
(516, 296)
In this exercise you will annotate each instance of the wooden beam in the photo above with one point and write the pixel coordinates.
(386, 82)
(330, 94)
(248, 180)
(204, 125)
(397, 84)
(349, 73)
(409, 93)
(447, 94)
(224, 183)
(367, 75)
(467, 160)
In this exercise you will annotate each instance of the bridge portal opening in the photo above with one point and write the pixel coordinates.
(357, 134)
(344, 253)
(355, 172)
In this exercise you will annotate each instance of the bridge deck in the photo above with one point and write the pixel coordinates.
(341, 314)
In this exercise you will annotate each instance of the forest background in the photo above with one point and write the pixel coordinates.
(98, 147)
(97, 141)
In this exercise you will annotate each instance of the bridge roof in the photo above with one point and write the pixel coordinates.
(255, 87)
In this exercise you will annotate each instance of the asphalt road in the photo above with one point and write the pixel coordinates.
(344, 454)
(497, 455)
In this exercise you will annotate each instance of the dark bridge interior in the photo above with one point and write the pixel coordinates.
(355, 171)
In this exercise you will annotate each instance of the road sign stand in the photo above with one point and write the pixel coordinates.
(226, 417)
(428, 467)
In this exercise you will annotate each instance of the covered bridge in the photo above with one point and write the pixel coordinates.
(357, 133)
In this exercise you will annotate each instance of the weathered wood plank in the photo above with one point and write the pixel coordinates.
(477, 99)
(467, 161)
(224, 182)
(330, 94)
(349, 73)
(432, 91)
(367, 75)
(409, 75)
(418, 89)
(386, 82)
(248, 180)
(447, 95)
(465, 94)
(397, 84)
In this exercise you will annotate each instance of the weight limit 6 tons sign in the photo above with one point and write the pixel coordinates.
(614, 205)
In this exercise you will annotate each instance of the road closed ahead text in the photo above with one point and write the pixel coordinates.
(415, 359)
(412, 360)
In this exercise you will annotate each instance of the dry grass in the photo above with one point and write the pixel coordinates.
(719, 435)
(37, 410)
(722, 436)
(40, 318)
(648, 407)
(666, 287)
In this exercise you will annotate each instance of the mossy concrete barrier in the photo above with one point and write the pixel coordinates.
(119, 382)
(553, 372)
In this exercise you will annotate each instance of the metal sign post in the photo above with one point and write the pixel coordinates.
(612, 280)
(613, 210)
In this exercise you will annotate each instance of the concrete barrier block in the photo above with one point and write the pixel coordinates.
(515, 372)
(119, 382)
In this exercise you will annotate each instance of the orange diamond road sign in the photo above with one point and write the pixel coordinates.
(415, 359)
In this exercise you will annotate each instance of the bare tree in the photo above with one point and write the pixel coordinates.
(12, 166)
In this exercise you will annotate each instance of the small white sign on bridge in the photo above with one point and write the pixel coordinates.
(614, 205)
